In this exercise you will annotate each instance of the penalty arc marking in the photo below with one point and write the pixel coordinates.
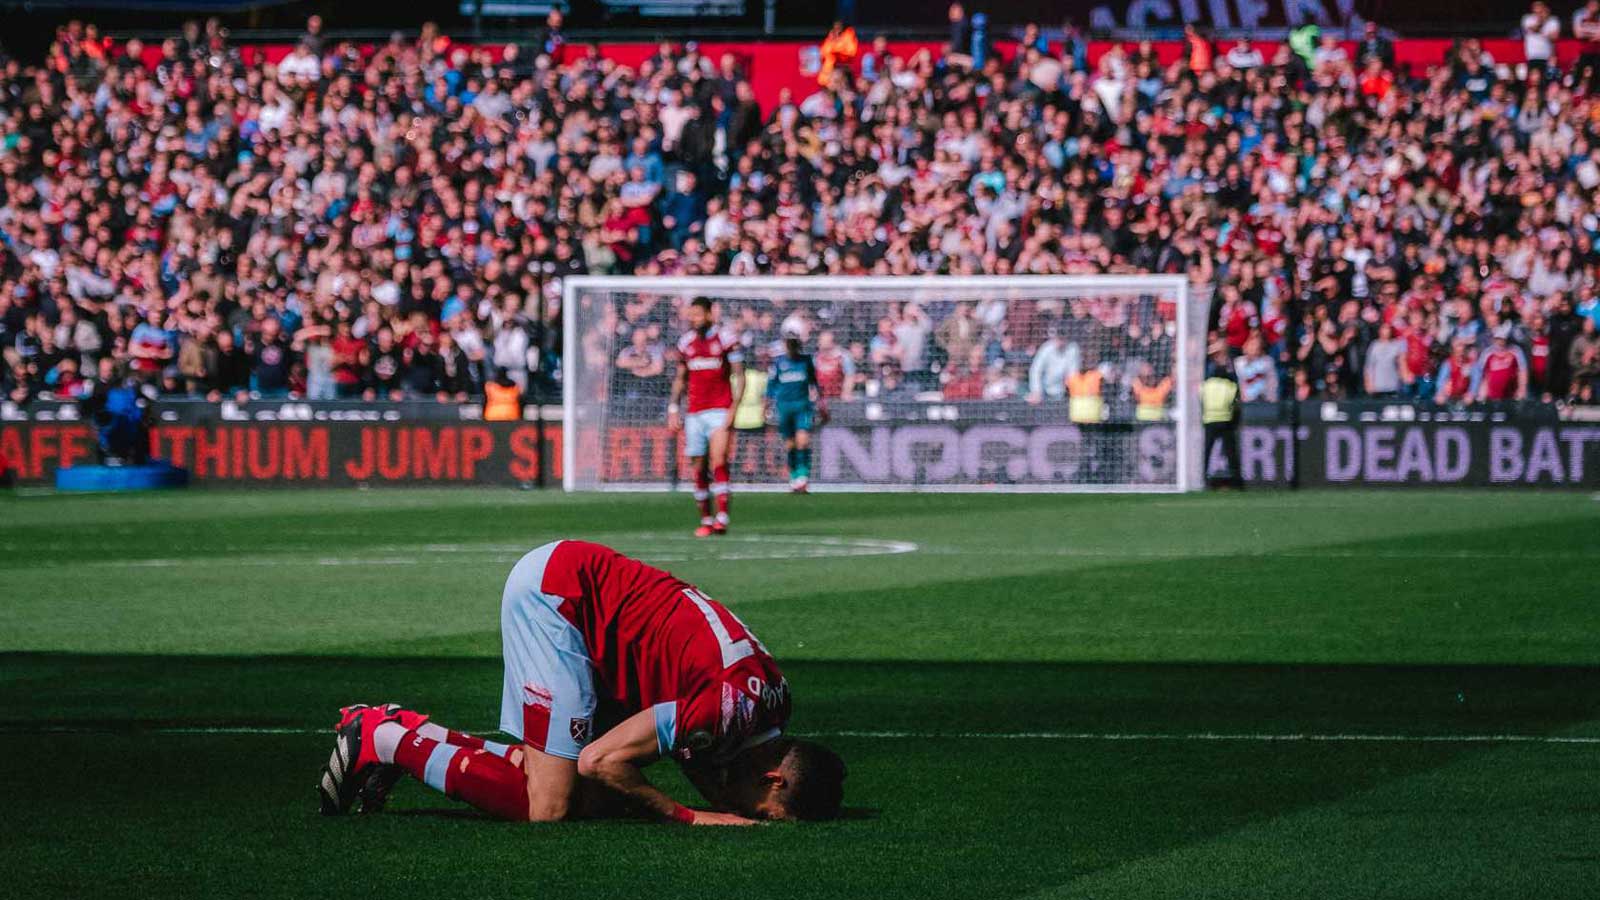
(652, 547)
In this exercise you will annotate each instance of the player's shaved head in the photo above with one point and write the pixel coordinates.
(815, 777)
(785, 779)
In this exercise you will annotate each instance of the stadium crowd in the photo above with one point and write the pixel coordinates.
(396, 221)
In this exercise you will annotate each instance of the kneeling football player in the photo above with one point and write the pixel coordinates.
(579, 620)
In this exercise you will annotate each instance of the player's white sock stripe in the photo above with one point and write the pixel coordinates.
(438, 764)
(386, 737)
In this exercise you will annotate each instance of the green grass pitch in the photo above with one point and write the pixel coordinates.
(1257, 695)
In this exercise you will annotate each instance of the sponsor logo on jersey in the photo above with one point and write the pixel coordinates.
(738, 710)
(704, 363)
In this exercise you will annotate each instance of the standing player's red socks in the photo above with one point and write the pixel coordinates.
(719, 489)
(702, 494)
(473, 776)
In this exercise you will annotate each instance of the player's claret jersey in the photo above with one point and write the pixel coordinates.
(658, 643)
(790, 380)
(710, 358)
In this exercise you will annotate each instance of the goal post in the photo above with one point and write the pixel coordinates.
(935, 383)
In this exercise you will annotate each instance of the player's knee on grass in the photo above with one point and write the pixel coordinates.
(546, 809)
(551, 783)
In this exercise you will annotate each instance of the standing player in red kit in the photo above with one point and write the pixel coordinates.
(582, 625)
(711, 372)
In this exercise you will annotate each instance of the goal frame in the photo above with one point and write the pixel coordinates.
(1185, 411)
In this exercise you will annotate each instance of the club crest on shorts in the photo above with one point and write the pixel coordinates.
(580, 730)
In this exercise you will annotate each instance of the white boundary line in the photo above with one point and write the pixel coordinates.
(857, 487)
(1087, 736)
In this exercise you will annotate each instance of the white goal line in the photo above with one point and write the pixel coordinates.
(1192, 736)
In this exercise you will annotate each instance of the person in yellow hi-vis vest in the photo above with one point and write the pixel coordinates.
(1086, 403)
(750, 417)
(752, 414)
(502, 399)
(1219, 414)
(1150, 395)
(1086, 408)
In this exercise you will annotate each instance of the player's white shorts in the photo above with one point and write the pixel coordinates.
(697, 429)
(548, 699)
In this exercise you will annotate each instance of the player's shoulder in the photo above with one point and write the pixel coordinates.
(686, 341)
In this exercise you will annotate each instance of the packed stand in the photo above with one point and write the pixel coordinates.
(396, 223)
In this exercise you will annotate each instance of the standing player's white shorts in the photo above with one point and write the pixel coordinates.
(697, 429)
(548, 700)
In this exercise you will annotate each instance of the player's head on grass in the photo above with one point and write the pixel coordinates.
(787, 779)
(698, 313)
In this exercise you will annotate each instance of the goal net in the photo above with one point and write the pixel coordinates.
(1028, 383)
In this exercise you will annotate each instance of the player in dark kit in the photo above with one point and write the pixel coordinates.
(796, 405)
(710, 371)
(583, 625)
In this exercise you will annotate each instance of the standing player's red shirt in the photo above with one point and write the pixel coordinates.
(658, 643)
(710, 358)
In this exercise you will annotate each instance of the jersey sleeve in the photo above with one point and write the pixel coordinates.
(732, 349)
(708, 728)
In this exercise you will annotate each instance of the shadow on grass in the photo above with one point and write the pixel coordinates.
(956, 814)
(130, 692)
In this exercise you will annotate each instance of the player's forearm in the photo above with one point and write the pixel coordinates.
(614, 762)
(736, 382)
(675, 396)
(625, 779)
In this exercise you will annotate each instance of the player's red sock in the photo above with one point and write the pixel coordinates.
(702, 493)
(474, 776)
(719, 489)
(387, 736)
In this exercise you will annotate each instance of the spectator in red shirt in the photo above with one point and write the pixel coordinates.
(1504, 369)
(1419, 353)
(349, 362)
(964, 381)
(1455, 376)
